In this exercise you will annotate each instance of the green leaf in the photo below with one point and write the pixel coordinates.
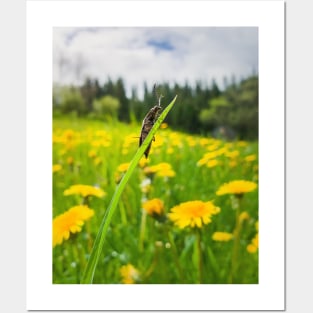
(89, 272)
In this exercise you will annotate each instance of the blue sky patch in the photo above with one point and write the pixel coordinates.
(160, 44)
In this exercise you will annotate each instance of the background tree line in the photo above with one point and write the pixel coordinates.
(231, 112)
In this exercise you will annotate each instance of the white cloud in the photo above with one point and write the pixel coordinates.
(136, 54)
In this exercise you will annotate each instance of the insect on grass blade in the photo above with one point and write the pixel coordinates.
(149, 120)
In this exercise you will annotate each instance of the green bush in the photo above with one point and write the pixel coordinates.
(106, 107)
(70, 100)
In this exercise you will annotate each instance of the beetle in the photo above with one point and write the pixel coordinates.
(149, 121)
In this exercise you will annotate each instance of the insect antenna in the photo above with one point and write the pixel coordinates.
(157, 95)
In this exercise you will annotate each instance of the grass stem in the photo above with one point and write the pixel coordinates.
(236, 246)
(200, 260)
(88, 275)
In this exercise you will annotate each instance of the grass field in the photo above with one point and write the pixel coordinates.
(176, 222)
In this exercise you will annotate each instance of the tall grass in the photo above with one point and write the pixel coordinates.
(97, 248)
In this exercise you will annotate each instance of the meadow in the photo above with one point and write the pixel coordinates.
(188, 214)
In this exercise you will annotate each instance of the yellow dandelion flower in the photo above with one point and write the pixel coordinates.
(202, 161)
(212, 163)
(56, 168)
(68, 138)
(191, 141)
(102, 133)
(211, 155)
(169, 150)
(222, 151)
(158, 142)
(85, 191)
(101, 143)
(166, 173)
(204, 141)
(154, 207)
(193, 213)
(222, 236)
(129, 274)
(104, 137)
(175, 139)
(123, 167)
(236, 187)
(70, 222)
(68, 134)
(162, 170)
(143, 162)
(164, 126)
(150, 170)
(232, 154)
(233, 163)
(244, 216)
(254, 245)
(213, 146)
(63, 137)
(130, 140)
(250, 158)
(251, 248)
(255, 240)
(164, 166)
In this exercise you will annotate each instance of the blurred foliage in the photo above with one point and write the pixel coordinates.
(69, 100)
(201, 109)
(106, 106)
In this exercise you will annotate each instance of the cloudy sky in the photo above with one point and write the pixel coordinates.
(154, 54)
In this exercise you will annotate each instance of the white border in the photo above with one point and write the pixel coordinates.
(42, 16)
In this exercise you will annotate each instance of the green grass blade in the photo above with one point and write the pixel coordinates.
(88, 275)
